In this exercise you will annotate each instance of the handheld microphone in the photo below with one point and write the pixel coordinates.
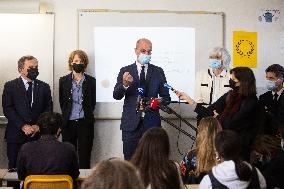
(140, 91)
(169, 87)
(157, 103)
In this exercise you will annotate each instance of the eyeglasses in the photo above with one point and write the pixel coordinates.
(144, 51)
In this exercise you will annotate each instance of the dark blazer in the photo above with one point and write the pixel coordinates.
(273, 113)
(17, 110)
(155, 80)
(89, 97)
(246, 121)
(47, 156)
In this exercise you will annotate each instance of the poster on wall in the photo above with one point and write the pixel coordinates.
(245, 49)
(269, 16)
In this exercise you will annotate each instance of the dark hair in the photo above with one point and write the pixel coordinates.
(21, 61)
(228, 146)
(152, 160)
(82, 55)
(247, 81)
(277, 69)
(49, 123)
(266, 145)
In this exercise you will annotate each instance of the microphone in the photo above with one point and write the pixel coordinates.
(158, 103)
(140, 92)
(167, 86)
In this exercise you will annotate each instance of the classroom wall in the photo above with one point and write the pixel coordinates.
(240, 15)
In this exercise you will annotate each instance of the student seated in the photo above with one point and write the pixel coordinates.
(232, 172)
(199, 161)
(274, 173)
(48, 156)
(264, 148)
(152, 160)
(113, 174)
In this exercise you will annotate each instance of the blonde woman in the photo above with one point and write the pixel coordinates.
(199, 161)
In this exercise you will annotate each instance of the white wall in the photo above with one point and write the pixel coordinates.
(240, 15)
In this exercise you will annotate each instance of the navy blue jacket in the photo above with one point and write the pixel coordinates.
(155, 80)
(16, 108)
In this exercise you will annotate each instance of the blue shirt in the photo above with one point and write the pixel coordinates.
(77, 111)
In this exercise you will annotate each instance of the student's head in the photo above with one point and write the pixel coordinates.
(49, 123)
(113, 174)
(244, 79)
(206, 156)
(227, 145)
(154, 141)
(143, 51)
(152, 160)
(274, 77)
(222, 56)
(264, 146)
(78, 61)
(28, 67)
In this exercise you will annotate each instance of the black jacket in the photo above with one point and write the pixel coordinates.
(274, 112)
(47, 156)
(89, 97)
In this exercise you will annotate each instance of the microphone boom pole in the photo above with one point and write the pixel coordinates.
(173, 125)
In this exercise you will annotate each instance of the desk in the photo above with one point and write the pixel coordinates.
(13, 176)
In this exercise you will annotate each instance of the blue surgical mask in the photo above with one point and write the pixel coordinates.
(215, 63)
(144, 58)
(271, 85)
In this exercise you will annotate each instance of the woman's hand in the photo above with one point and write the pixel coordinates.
(184, 96)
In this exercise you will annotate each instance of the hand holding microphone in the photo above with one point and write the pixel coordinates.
(180, 95)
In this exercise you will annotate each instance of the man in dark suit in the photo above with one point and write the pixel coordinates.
(273, 99)
(47, 156)
(150, 80)
(23, 100)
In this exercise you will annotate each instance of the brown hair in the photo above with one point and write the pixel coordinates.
(82, 55)
(247, 81)
(152, 159)
(21, 61)
(205, 150)
(113, 174)
(266, 145)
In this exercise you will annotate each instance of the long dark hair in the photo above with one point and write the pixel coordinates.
(152, 160)
(227, 145)
(247, 81)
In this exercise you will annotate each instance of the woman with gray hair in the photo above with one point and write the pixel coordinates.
(213, 82)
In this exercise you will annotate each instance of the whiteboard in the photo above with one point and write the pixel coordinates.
(208, 27)
(26, 34)
(173, 50)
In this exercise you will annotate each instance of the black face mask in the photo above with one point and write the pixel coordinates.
(232, 84)
(78, 68)
(32, 73)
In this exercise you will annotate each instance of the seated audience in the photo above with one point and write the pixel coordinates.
(113, 174)
(237, 110)
(274, 172)
(199, 161)
(232, 172)
(152, 160)
(273, 99)
(264, 148)
(48, 156)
